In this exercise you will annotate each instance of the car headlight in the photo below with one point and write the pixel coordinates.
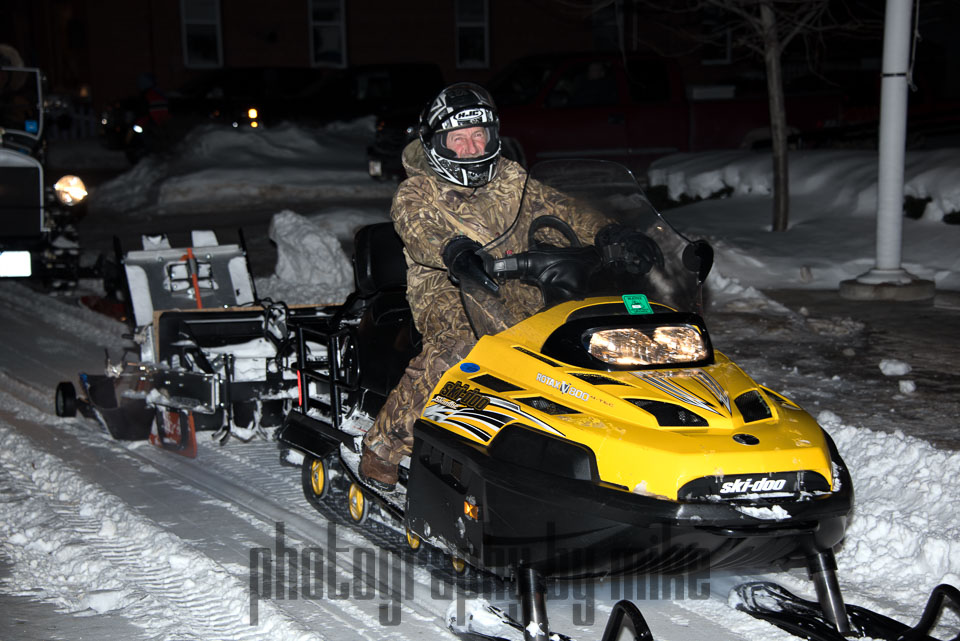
(70, 190)
(663, 345)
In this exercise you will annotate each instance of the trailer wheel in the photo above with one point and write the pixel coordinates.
(66, 399)
(459, 565)
(413, 541)
(357, 504)
(315, 479)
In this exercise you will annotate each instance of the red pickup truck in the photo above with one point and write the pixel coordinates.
(632, 110)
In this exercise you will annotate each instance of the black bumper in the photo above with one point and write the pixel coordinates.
(568, 527)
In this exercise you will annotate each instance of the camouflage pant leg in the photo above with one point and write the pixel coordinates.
(391, 437)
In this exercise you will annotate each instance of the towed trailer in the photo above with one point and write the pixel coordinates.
(212, 355)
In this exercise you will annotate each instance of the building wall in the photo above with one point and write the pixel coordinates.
(121, 45)
(114, 41)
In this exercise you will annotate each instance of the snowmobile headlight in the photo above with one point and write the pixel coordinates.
(663, 345)
(70, 190)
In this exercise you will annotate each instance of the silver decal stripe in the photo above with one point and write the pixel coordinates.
(672, 389)
(713, 386)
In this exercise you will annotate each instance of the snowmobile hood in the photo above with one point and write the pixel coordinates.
(705, 432)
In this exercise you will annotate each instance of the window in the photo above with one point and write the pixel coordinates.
(201, 33)
(328, 37)
(473, 42)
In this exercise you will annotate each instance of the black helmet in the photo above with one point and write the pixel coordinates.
(460, 106)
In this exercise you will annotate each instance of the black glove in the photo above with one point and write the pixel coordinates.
(463, 262)
(629, 250)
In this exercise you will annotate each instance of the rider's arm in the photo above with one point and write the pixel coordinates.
(420, 224)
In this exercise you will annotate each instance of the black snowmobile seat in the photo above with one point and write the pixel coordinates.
(386, 328)
(378, 261)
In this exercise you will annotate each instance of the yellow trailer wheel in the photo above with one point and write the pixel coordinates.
(318, 477)
(357, 504)
(413, 540)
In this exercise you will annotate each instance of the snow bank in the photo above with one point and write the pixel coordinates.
(832, 231)
(844, 179)
(311, 265)
(904, 537)
(221, 164)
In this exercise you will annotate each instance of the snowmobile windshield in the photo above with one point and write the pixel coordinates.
(584, 229)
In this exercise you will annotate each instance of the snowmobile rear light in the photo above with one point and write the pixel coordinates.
(299, 388)
(633, 346)
(471, 511)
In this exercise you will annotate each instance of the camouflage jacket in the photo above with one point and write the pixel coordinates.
(428, 212)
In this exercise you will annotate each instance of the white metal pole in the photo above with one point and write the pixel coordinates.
(893, 137)
(888, 280)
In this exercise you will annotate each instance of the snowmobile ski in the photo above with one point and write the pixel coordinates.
(490, 623)
(803, 618)
(487, 622)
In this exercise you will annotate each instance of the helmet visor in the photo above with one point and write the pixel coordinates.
(473, 142)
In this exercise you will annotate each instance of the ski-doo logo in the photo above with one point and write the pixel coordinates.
(563, 386)
(748, 485)
(464, 395)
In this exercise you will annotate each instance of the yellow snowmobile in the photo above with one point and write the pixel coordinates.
(598, 433)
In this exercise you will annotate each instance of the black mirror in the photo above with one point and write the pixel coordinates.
(698, 258)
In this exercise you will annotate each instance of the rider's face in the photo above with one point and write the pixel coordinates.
(469, 142)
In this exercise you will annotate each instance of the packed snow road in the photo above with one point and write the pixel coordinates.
(221, 547)
(101, 539)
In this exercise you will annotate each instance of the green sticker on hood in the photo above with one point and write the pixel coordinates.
(637, 304)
